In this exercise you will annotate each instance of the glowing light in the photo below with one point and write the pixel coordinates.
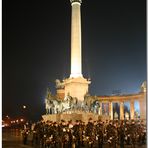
(21, 120)
(7, 117)
(75, 3)
(24, 106)
(75, 70)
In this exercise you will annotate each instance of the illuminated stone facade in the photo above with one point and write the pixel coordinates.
(108, 101)
(121, 99)
(76, 87)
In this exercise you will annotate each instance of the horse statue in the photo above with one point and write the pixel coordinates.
(66, 102)
(69, 102)
(73, 102)
(48, 106)
(52, 104)
(91, 103)
(56, 106)
(88, 100)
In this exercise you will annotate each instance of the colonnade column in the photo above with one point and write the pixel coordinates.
(121, 110)
(100, 113)
(111, 110)
(132, 109)
(142, 105)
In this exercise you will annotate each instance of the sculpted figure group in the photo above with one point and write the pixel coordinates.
(54, 105)
(91, 104)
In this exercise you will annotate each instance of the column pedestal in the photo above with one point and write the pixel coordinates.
(76, 87)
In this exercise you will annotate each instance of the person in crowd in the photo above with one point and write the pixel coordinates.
(93, 134)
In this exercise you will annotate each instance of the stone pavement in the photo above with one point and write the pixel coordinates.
(12, 139)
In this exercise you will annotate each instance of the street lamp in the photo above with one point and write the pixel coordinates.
(24, 107)
(7, 116)
(21, 120)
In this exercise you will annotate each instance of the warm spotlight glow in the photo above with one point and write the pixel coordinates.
(21, 120)
(76, 57)
(24, 106)
(75, 70)
(7, 117)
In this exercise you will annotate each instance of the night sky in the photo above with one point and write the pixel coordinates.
(36, 49)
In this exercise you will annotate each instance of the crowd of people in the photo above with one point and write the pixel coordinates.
(94, 134)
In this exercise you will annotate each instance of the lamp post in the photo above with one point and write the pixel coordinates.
(7, 120)
(24, 106)
(24, 112)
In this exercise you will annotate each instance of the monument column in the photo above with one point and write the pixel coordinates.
(76, 85)
(121, 110)
(132, 109)
(76, 66)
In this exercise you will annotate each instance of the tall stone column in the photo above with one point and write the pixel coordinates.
(121, 110)
(111, 110)
(76, 85)
(76, 63)
(132, 109)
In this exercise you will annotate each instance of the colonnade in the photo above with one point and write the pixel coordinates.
(121, 99)
(121, 108)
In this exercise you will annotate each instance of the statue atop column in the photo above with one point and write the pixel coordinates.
(143, 87)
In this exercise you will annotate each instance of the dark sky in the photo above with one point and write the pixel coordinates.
(36, 49)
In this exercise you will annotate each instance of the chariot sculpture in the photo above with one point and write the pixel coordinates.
(54, 105)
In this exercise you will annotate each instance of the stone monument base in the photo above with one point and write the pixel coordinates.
(76, 87)
(71, 116)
